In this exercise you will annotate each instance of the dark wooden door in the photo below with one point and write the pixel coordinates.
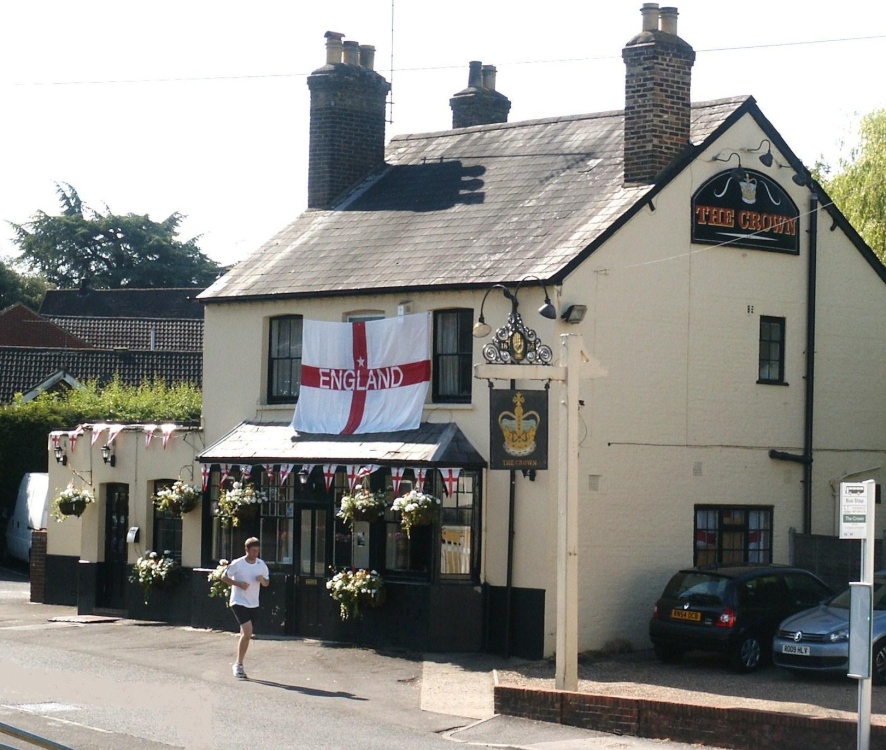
(115, 571)
(311, 596)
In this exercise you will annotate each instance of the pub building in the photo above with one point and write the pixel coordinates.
(729, 320)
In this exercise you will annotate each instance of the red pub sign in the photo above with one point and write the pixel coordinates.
(745, 208)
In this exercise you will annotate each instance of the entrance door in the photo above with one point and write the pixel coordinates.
(115, 571)
(312, 598)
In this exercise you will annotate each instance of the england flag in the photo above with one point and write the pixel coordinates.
(365, 376)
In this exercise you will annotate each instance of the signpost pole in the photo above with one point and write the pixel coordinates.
(857, 522)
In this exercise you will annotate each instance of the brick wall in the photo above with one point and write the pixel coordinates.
(38, 565)
(736, 728)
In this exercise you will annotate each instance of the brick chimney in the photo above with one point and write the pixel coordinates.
(657, 97)
(347, 133)
(479, 103)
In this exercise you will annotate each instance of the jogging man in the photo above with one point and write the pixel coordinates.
(244, 575)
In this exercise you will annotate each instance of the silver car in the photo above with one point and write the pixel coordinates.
(817, 639)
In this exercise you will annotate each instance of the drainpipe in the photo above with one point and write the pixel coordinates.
(509, 586)
(810, 363)
(808, 411)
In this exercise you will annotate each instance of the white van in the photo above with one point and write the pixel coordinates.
(31, 512)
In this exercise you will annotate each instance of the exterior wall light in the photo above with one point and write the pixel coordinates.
(574, 314)
(767, 158)
(108, 457)
(60, 456)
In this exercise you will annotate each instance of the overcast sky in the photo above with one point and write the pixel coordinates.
(202, 107)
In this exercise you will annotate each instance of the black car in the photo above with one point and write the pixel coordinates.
(734, 610)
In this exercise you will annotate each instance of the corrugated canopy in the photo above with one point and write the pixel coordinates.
(429, 445)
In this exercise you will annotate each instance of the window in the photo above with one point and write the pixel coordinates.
(726, 535)
(167, 526)
(284, 359)
(457, 522)
(771, 350)
(453, 349)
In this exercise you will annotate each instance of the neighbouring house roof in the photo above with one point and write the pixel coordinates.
(122, 303)
(25, 368)
(21, 326)
(429, 445)
(136, 333)
(462, 208)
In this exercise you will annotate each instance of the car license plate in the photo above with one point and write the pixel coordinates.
(685, 614)
(791, 648)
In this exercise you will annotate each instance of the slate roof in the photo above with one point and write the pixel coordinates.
(123, 303)
(429, 445)
(23, 368)
(136, 333)
(463, 208)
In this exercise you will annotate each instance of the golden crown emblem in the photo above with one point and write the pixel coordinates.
(519, 428)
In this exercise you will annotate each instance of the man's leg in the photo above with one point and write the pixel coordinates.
(243, 643)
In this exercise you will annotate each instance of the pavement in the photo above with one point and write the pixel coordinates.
(456, 688)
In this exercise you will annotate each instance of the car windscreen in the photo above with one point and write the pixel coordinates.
(841, 600)
(697, 587)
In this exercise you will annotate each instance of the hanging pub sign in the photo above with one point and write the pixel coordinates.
(745, 208)
(518, 429)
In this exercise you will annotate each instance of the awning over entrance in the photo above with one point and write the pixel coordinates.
(429, 445)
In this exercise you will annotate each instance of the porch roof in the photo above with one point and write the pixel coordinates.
(429, 445)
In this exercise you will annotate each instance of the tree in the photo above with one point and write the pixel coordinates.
(104, 250)
(859, 185)
(15, 287)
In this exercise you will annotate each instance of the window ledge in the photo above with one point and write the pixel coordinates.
(436, 405)
(772, 382)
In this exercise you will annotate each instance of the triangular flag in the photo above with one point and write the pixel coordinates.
(353, 473)
(329, 475)
(397, 477)
(307, 469)
(149, 433)
(269, 470)
(113, 431)
(365, 471)
(420, 478)
(73, 435)
(97, 429)
(226, 472)
(245, 472)
(285, 471)
(450, 480)
(204, 472)
(167, 430)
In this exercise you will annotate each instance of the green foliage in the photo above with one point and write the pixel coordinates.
(16, 287)
(859, 185)
(25, 426)
(111, 251)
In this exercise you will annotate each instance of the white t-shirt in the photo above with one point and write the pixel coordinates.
(241, 570)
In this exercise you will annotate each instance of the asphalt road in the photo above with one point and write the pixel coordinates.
(123, 684)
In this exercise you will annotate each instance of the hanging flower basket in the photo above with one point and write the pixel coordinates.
(416, 509)
(179, 499)
(363, 505)
(353, 588)
(217, 587)
(71, 501)
(154, 571)
(239, 503)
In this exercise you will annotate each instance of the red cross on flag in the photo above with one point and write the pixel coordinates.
(365, 376)
(397, 477)
(352, 471)
(450, 480)
(329, 475)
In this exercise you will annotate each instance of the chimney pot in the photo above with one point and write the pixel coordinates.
(367, 56)
(475, 74)
(489, 72)
(650, 16)
(669, 20)
(333, 47)
(351, 53)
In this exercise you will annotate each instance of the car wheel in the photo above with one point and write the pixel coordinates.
(878, 663)
(748, 654)
(667, 654)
